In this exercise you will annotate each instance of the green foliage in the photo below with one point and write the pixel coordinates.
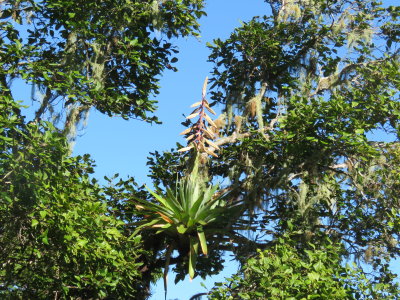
(103, 54)
(62, 234)
(290, 271)
(58, 235)
(311, 96)
(328, 87)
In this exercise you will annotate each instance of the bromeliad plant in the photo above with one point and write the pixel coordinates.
(187, 215)
(194, 211)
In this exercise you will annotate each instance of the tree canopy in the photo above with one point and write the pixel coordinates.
(308, 196)
(61, 233)
(303, 91)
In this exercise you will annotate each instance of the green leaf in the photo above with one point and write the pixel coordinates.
(181, 228)
(202, 239)
(359, 131)
(193, 256)
(45, 239)
(313, 276)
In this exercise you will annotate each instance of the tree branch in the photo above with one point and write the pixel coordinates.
(43, 105)
(232, 138)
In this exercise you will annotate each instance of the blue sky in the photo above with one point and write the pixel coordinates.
(120, 146)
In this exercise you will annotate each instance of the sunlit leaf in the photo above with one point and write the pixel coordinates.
(202, 239)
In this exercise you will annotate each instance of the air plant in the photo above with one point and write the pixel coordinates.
(184, 211)
(193, 211)
(187, 215)
(201, 134)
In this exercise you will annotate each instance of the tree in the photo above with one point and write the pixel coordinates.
(286, 271)
(102, 54)
(302, 92)
(61, 232)
(58, 234)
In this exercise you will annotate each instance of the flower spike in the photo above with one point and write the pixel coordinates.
(200, 134)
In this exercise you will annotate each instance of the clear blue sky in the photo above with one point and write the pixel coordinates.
(120, 146)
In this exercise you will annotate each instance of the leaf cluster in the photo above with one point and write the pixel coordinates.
(102, 54)
(287, 271)
(187, 215)
(59, 237)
